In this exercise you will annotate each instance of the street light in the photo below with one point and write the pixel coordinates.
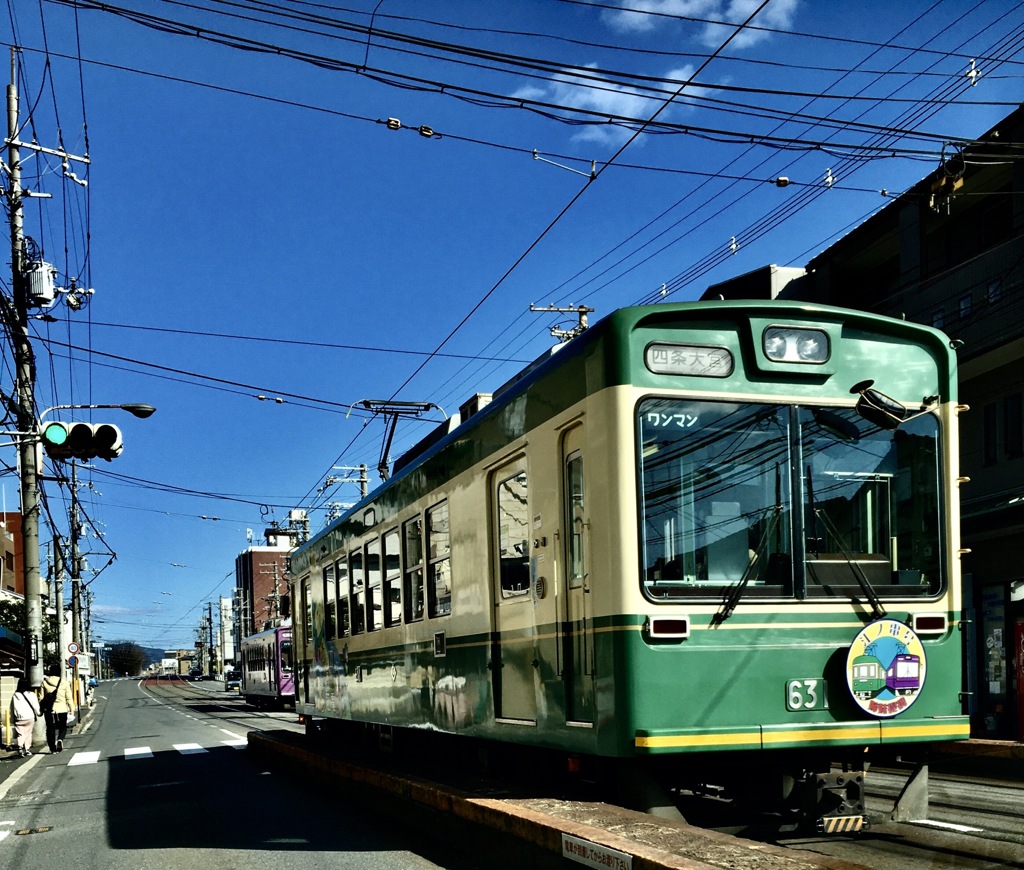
(136, 409)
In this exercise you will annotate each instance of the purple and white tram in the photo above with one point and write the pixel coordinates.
(266, 665)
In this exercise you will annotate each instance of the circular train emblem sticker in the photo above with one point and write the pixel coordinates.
(885, 667)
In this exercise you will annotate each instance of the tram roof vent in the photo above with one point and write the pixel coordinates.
(473, 404)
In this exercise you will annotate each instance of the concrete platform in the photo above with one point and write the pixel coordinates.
(590, 834)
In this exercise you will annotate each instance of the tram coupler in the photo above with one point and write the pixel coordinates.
(839, 802)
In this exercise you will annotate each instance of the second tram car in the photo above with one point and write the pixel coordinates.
(267, 673)
(674, 544)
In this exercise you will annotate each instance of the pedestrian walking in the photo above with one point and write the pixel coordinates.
(58, 700)
(24, 712)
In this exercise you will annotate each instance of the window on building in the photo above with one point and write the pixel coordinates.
(966, 306)
(990, 433)
(994, 291)
(1013, 426)
(439, 587)
(939, 318)
(413, 536)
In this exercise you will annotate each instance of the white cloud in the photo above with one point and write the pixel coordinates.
(608, 99)
(645, 16)
(636, 17)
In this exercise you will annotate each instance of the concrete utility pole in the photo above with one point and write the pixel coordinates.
(25, 376)
(209, 631)
(15, 316)
(58, 597)
(76, 564)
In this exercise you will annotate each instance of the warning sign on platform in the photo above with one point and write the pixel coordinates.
(594, 854)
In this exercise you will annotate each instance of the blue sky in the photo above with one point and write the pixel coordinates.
(253, 226)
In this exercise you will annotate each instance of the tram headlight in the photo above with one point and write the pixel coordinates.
(793, 345)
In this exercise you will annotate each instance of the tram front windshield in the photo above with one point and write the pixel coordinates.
(787, 501)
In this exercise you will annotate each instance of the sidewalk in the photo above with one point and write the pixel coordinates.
(995, 759)
(10, 757)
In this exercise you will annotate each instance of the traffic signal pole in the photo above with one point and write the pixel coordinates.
(25, 377)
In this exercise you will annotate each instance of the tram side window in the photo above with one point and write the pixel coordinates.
(374, 604)
(307, 609)
(413, 536)
(330, 604)
(513, 526)
(439, 539)
(392, 593)
(286, 656)
(576, 567)
(341, 572)
(355, 567)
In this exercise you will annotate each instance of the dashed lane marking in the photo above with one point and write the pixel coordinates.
(189, 748)
(138, 752)
(84, 758)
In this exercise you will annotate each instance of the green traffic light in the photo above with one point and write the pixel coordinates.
(55, 434)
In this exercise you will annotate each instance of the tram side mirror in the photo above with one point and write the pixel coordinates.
(878, 408)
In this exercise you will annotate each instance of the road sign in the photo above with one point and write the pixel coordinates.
(73, 648)
(73, 662)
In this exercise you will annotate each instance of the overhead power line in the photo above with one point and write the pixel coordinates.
(574, 115)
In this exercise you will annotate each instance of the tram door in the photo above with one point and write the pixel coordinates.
(306, 639)
(577, 639)
(513, 655)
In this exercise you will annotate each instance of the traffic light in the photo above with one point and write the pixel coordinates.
(81, 440)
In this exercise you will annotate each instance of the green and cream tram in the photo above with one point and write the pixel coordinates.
(667, 542)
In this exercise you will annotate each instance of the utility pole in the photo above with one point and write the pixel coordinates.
(58, 588)
(274, 599)
(209, 630)
(25, 376)
(76, 565)
(14, 312)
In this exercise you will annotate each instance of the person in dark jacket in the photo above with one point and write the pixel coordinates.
(58, 700)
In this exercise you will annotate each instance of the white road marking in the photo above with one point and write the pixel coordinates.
(138, 752)
(236, 744)
(189, 748)
(12, 780)
(949, 826)
(84, 758)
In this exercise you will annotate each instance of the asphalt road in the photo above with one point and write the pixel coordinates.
(159, 779)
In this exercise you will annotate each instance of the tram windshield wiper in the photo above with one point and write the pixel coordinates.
(877, 610)
(736, 592)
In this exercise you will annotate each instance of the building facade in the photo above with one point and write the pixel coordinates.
(12, 575)
(261, 586)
